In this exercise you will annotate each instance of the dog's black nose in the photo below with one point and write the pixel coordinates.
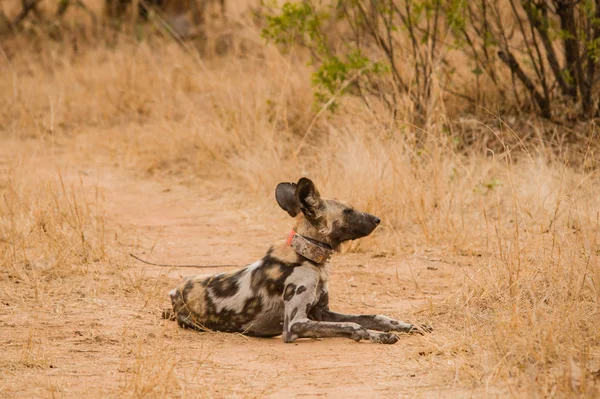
(376, 221)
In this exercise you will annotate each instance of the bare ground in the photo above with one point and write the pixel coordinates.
(103, 336)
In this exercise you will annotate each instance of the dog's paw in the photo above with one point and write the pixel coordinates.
(385, 338)
(420, 329)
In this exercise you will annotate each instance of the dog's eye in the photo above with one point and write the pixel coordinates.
(348, 210)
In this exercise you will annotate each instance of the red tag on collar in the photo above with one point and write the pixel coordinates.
(290, 238)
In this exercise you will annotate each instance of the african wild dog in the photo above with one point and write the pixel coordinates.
(286, 291)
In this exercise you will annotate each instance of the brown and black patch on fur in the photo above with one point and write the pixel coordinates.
(225, 285)
(289, 292)
(228, 320)
(300, 290)
(271, 275)
(285, 254)
(271, 257)
(189, 304)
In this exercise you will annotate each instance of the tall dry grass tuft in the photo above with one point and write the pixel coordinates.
(49, 232)
(151, 372)
(528, 315)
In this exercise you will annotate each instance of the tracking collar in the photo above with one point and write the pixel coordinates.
(314, 250)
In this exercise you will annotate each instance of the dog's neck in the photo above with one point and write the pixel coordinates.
(316, 251)
(309, 230)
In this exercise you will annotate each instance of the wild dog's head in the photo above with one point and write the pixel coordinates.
(325, 220)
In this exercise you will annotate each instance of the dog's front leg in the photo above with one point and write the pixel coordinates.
(298, 325)
(371, 321)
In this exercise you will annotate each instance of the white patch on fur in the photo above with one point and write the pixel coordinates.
(304, 275)
(236, 302)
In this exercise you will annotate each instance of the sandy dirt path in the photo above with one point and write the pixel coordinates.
(106, 343)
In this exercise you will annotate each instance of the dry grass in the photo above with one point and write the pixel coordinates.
(523, 222)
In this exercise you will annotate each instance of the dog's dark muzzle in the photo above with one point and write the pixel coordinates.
(372, 222)
(365, 225)
(374, 219)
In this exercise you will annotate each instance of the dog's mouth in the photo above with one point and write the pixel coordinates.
(363, 233)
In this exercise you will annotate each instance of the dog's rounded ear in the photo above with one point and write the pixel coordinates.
(285, 194)
(308, 197)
